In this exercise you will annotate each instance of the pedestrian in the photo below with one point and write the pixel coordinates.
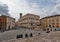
(31, 34)
(26, 35)
(21, 36)
(17, 37)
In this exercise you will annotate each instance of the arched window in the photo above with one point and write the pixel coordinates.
(57, 26)
(53, 20)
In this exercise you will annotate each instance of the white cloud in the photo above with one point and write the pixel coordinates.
(18, 6)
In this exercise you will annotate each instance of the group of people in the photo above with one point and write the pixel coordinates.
(26, 35)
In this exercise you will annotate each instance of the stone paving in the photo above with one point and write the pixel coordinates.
(53, 36)
(12, 34)
(47, 37)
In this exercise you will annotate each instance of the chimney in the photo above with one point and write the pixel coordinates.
(20, 15)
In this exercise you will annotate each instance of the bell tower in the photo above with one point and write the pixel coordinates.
(20, 15)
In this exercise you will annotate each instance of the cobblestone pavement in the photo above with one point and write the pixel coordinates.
(48, 37)
(53, 36)
(11, 34)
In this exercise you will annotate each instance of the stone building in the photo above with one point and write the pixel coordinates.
(51, 22)
(29, 21)
(6, 22)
